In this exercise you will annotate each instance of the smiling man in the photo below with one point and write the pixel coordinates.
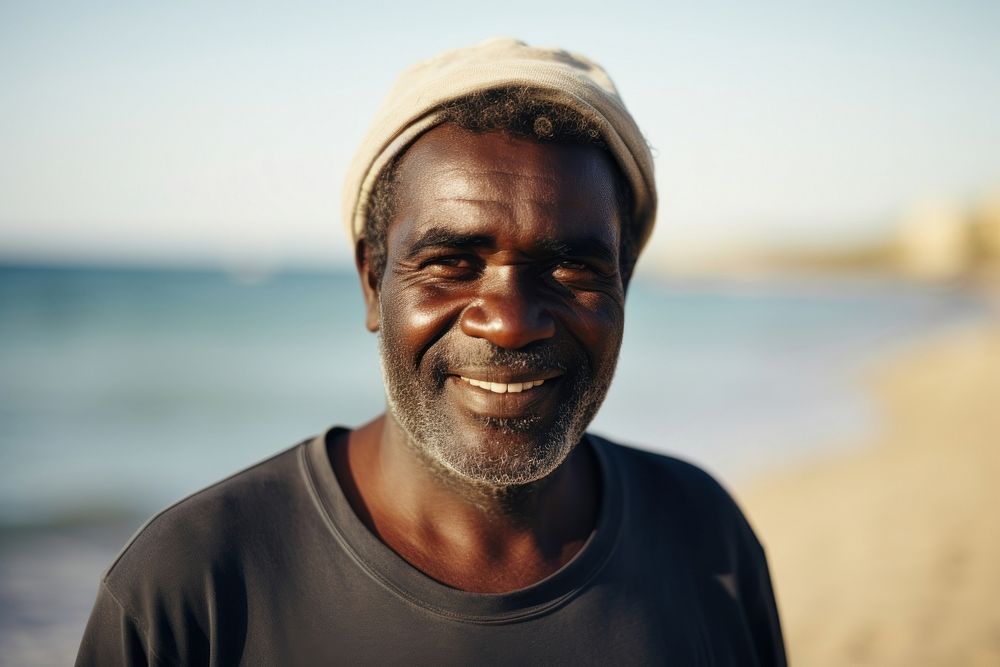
(497, 207)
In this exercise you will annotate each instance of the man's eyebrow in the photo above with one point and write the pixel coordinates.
(436, 237)
(582, 246)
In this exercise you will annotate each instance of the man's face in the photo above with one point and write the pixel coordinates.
(500, 313)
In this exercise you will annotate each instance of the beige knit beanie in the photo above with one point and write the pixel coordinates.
(413, 107)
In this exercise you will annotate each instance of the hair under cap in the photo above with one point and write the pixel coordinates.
(413, 106)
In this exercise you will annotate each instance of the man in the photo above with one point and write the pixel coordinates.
(498, 207)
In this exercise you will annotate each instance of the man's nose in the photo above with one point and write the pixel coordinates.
(508, 313)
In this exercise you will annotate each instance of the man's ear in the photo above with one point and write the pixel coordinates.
(369, 284)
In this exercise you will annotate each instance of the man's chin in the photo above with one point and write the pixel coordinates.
(494, 474)
(507, 427)
(504, 452)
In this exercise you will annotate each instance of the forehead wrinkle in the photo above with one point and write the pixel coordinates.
(505, 211)
(457, 183)
(504, 203)
(481, 171)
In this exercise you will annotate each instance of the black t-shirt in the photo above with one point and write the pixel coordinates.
(271, 566)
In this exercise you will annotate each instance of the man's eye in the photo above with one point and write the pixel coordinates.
(451, 265)
(574, 266)
(458, 262)
(569, 269)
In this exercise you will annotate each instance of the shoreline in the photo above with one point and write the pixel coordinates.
(887, 553)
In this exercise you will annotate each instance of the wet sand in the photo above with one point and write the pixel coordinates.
(891, 555)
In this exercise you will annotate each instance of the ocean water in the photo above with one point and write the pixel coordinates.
(123, 390)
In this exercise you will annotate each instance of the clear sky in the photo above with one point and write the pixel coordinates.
(220, 132)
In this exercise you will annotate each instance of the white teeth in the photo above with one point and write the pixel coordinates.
(502, 387)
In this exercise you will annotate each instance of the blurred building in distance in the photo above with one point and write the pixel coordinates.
(986, 230)
(946, 240)
(935, 240)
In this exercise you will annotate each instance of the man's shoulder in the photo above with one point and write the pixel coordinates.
(636, 463)
(206, 529)
(664, 481)
(686, 506)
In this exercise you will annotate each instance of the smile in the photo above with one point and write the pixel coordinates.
(503, 387)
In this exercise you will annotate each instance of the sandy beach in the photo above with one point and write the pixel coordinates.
(891, 555)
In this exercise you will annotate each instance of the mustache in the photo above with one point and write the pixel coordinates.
(532, 360)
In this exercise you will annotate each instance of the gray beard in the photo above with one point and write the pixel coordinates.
(489, 464)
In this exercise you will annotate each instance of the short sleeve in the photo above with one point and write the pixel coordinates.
(760, 606)
(112, 637)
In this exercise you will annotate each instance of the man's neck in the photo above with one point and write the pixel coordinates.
(469, 536)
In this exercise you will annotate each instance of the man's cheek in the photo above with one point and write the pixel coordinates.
(597, 322)
(418, 317)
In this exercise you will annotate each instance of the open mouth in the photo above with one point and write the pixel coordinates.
(503, 387)
(507, 394)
